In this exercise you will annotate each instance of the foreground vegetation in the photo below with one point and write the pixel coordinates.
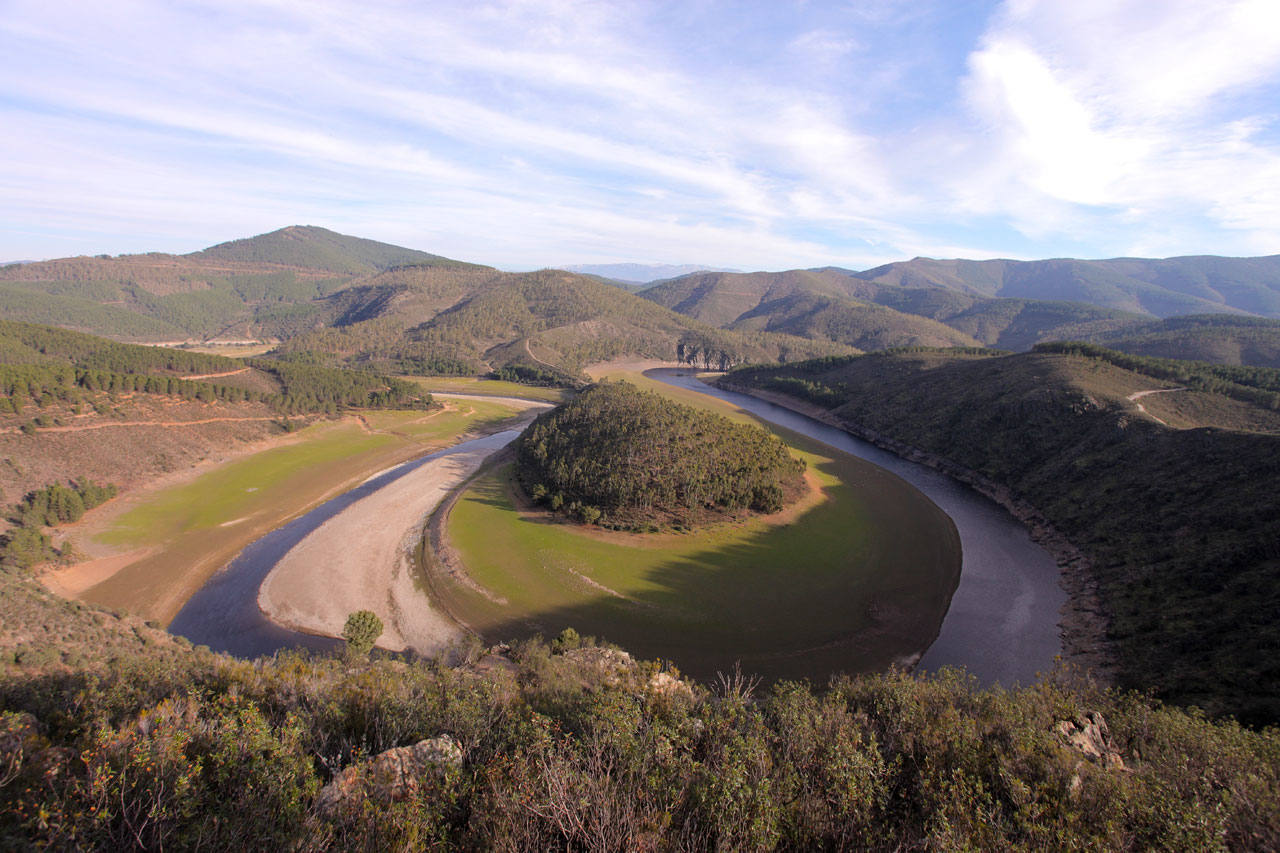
(579, 748)
(627, 458)
(1181, 525)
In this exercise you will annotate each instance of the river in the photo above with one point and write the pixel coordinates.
(1001, 625)
(224, 614)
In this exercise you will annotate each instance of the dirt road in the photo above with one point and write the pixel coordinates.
(1138, 395)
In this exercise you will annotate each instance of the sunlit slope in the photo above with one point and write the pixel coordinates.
(836, 304)
(314, 248)
(266, 286)
(451, 321)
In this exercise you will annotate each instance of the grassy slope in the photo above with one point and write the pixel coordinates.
(849, 572)
(488, 388)
(1182, 523)
(863, 325)
(191, 529)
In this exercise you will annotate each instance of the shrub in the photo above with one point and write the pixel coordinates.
(362, 630)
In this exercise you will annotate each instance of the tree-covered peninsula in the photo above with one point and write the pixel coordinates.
(631, 459)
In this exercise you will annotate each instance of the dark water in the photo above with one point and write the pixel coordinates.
(224, 614)
(1003, 622)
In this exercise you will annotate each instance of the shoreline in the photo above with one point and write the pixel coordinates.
(1082, 621)
(363, 558)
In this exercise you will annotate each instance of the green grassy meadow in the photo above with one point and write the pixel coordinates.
(854, 582)
(190, 529)
(488, 387)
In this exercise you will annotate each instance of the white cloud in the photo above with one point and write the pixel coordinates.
(1118, 105)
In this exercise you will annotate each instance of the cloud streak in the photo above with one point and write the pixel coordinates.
(530, 133)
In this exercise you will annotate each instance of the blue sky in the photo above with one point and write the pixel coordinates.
(767, 135)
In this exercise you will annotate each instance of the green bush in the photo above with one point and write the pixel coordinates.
(362, 630)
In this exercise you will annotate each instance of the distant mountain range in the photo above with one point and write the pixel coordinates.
(1006, 304)
(344, 299)
(1163, 288)
(640, 273)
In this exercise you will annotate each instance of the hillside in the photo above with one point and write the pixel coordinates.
(63, 394)
(313, 248)
(269, 286)
(450, 322)
(622, 457)
(114, 735)
(863, 325)
(1162, 287)
(1220, 338)
(1183, 559)
(346, 300)
(835, 304)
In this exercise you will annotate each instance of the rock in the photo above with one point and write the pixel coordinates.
(1088, 735)
(392, 775)
(665, 684)
(610, 665)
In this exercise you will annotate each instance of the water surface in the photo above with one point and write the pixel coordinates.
(1002, 625)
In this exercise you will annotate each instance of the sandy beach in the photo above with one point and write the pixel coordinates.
(362, 558)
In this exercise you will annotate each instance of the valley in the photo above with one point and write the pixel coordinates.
(1049, 521)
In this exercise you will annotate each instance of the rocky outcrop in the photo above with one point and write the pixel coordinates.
(393, 775)
(1088, 734)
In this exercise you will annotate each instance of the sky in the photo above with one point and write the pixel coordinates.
(748, 135)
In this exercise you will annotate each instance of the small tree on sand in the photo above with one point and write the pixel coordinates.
(362, 630)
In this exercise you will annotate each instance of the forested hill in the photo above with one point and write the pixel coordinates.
(40, 365)
(310, 247)
(627, 458)
(1224, 339)
(269, 286)
(345, 301)
(1171, 495)
(1162, 287)
(439, 320)
(834, 304)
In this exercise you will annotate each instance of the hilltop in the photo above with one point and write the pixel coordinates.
(1170, 495)
(622, 457)
(310, 247)
(638, 274)
(347, 300)
(261, 287)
